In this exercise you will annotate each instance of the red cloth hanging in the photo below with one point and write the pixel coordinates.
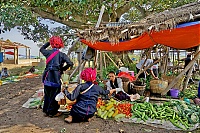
(180, 38)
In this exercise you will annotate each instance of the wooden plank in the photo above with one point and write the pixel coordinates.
(159, 99)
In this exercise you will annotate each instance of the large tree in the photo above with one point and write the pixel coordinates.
(74, 14)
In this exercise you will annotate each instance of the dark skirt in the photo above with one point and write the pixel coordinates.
(76, 117)
(50, 104)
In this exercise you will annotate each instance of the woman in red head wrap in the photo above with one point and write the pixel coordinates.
(87, 97)
(52, 74)
(89, 74)
(56, 42)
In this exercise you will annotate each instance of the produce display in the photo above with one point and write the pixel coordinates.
(180, 113)
(113, 109)
(191, 92)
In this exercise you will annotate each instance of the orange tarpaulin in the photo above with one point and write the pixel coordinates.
(180, 38)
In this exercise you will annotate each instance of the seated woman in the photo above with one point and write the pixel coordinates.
(5, 73)
(32, 69)
(116, 84)
(86, 95)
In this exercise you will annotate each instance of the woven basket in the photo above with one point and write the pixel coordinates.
(158, 86)
(125, 86)
(70, 88)
(140, 89)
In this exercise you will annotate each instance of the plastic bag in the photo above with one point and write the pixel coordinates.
(65, 78)
(60, 96)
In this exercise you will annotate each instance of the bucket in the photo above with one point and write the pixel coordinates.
(174, 93)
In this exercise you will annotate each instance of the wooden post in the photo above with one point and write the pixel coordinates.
(97, 25)
(80, 59)
(166, 60)
(26, 53)
(71, 48)
(101, 66)
(96, 59)
(181, 74)
(104, 59)
(74, 72)
(16, 57)
(29, 53)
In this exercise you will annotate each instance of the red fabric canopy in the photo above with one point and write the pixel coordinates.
(180, 38)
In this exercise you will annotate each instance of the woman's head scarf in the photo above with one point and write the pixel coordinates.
(56, 42)
(89, 74)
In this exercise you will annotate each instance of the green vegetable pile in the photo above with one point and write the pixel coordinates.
(189, 93)
(180, 114)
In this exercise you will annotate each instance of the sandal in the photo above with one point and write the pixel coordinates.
(90, 119)
(58, 114)
(68, 119)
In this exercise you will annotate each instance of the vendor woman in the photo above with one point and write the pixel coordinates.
(52, 74)
(86, 95)
(116, 84)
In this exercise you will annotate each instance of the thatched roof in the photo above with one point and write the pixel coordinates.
(11, 45)
(165, 20)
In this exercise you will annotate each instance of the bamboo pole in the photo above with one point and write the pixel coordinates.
(148, 67)
(141, 69)
(111, 60)
(181, 74)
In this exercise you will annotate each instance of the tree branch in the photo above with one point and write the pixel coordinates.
(123, 9)
(142, 10)
(47, 15)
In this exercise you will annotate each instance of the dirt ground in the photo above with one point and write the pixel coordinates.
(16, 119)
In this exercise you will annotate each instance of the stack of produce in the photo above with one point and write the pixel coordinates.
(113, 109)
(180, 114)
(189, 93)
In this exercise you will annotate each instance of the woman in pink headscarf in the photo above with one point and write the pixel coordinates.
(86, 95)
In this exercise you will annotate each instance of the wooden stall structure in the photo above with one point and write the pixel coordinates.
(177, 28)
(5, 45)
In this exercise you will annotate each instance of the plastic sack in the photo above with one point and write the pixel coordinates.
(60, 96)
(135, 97)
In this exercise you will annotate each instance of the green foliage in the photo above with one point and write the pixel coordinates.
(143, 8)
(107, 70)
(27, 14)
(131, 67)
(16, 15)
